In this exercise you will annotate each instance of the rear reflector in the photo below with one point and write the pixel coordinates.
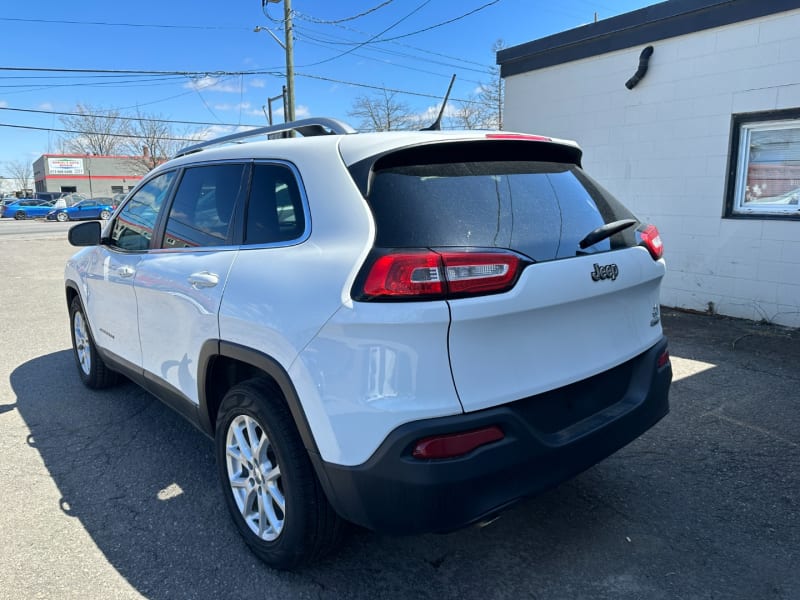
(663, 360)
(456, 444)
(418, 274)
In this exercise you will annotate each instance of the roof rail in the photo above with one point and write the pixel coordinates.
(305, 127)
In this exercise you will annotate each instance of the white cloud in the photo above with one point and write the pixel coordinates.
(45, 106)
(244, 106)
(301, 112)
(3, 103)
(430, 113)
(258, 83)
(215, 131)
(211, 84)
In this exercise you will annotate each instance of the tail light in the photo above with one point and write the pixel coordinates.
(427, 274)
(651, 240)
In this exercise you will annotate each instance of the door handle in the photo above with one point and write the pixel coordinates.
(125, 271)
(203, 279)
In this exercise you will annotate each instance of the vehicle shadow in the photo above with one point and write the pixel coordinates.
(142, 482)
(662, 518)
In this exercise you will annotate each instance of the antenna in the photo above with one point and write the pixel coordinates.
(437, 124)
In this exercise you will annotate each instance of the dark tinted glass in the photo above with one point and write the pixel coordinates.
(275, 208)
(203, 207)
(539, 209)
(133, 227)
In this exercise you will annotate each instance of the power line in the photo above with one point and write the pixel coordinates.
(423, 50)
(140, 71)
(392, 26)
(442, 24)
(323, 44)
(115, 83)
(224, 74)
(120, 135)
(311, 19)
(148, 120)
(110, 24)
(388, 89)
(426, 59)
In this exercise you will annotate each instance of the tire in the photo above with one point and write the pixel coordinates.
(278, 505)
(62, 216)
(19, 215)
(92, 370)
(105, 215)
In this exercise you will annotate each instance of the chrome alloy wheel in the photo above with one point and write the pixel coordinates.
(255, 477)
(82, 343)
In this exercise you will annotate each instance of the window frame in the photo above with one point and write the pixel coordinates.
(742, 125)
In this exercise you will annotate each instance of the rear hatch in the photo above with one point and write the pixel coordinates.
(496, 228)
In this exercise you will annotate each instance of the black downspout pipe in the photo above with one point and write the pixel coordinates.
(644, 58)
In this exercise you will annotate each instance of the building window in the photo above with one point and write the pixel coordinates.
(764, 165)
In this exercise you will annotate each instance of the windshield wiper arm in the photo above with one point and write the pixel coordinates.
(605, 231)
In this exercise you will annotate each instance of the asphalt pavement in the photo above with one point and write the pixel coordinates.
(111, 495)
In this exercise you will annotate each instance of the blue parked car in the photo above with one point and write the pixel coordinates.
(85, 209)
(27, 208)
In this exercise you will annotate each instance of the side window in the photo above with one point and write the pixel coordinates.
(202, 212)
(133, 227)
(275, 208)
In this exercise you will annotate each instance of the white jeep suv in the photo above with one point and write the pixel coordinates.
(405, 330)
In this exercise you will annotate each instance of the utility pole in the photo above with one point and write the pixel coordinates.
(272, 99)
(289, 47)
(287, 15)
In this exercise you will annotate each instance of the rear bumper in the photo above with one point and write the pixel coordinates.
(549, 438)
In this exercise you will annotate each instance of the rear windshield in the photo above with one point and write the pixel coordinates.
(540, 209)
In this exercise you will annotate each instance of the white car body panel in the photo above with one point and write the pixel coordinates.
(177, 317)
(372, 368)
(259, 310)
(555, 327)
(106, 280)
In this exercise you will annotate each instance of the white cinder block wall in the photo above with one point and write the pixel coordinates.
(662, 148)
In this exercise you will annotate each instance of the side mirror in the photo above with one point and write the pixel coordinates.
(85, 234)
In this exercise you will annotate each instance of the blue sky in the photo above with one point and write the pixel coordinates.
(218, 37)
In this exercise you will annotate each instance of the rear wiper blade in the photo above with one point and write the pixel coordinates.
(605, 231)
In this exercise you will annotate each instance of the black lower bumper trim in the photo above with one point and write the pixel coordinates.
(395, 493)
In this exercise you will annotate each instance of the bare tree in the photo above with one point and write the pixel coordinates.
(483, 109)
(152, 140)
(472, 113)
(21, 174)
(492, 93)
(93, 130)
(382, 112)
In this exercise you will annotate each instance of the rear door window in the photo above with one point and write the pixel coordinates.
(202, 212)
(540, 209)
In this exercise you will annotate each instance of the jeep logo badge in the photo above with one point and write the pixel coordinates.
(605, 272)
